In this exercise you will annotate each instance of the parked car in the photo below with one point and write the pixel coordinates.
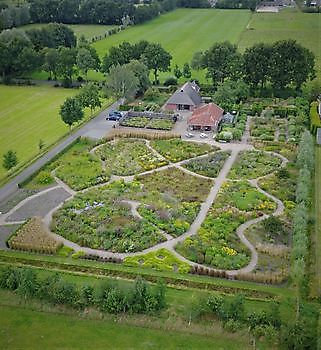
(189, 135)
(114, 115)
(203, 136)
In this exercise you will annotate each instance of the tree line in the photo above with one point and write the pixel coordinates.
(282, 64)
(107, 296)
(110, 12)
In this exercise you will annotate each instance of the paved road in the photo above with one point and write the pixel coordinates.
(95, 128)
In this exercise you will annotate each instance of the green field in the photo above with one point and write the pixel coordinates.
(28, 114)
(88, 30)
(287, 24)
(24, 326)
(184, 31)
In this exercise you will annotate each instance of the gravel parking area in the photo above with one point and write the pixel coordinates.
(40, 205)
(5, 232)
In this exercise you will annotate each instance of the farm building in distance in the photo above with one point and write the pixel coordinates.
(206, 118)
(186, 98)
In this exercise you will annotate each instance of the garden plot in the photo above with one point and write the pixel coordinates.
(109, 225)
(40, 205)
(161, 260)
(128, 157)
(78, 168)
(254, 164)
(176, 150)
(216, 243)
(172, 199)
(210, 165)
(33, 236)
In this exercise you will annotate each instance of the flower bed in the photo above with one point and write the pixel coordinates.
(176, 150)
(78, 168)
(287, 150)
(98, 219)
(160, 124)
(254, 164)
(33, 237)
(135, 122)
(209, 166)
(161, 260)
(216, 243)
(127, 157)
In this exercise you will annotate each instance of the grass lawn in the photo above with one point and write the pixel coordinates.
(88, 30)
(184, 31)
(287, 24)
(28, 114)
(29, 329)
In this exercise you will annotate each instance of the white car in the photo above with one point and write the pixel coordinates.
(189, 135)
(203, 135)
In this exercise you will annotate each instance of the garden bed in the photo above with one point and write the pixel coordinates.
(208, 166)
(128, 157)
(216, 243)
(160, 260)
(254, 164)
(176, 150)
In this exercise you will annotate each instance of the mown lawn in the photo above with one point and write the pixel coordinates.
(28, 114)
(184, 31)
(287, 24)
(29, 329)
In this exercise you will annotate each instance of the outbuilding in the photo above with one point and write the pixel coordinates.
(206, 118)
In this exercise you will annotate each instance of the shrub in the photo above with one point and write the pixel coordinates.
(170, 81)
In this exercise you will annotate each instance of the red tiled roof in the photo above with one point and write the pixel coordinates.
(207, 115)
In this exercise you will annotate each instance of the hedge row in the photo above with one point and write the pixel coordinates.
(315, 121)
(105, 271)
(141, 134)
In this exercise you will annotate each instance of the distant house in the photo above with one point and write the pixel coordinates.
(186, 98)
(206, 117)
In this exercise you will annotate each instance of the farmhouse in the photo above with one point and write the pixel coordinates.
(186, 98)
(206, 117)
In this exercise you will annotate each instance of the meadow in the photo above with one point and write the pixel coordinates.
(29, 114)
(184, 31)
(287, 24)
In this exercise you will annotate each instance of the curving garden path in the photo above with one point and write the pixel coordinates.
(170, 242)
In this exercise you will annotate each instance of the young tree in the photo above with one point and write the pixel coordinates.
(89, 97)
(177, 72)
(41, 144)
(122, 82)
(85, 61)
(71, 111)
(187, 71)
(66, 64)
(10, 160)
(157, 59)
(51, 62)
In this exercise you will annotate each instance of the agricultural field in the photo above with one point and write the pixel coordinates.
(28, 114)
(180, 31)
(287, 24)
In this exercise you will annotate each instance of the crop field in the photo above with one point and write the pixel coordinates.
(184, 31)
(287, 24)
(88, 30)
(28, 114)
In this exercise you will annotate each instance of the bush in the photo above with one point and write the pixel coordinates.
(170, 81)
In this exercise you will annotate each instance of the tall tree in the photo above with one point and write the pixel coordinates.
(51, 62)
(157, 59)
(177, 72)
(142, 74)
(256, 64)
(71, 111)
(187, 71)
(122, 82)
(89, 97)
(66, 64)
(85, 61)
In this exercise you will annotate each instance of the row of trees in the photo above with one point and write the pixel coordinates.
(237, 4)
(106, 296)
(13, 16)
(299, 254)
(282, 64)
(51, 49)
(153, 55)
